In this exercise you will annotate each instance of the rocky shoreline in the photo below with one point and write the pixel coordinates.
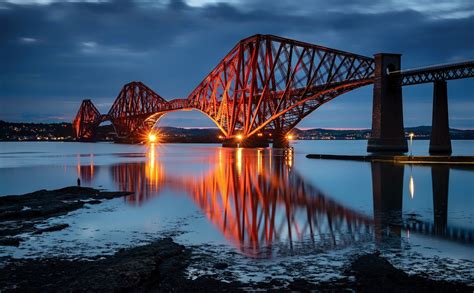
(162, 264)
(25, 213)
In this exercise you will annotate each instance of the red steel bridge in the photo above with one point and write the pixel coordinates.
(265, 86)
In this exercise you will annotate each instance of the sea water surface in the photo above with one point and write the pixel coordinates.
(268, 213)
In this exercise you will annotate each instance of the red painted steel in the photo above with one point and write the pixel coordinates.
(86, 121)
(265, 83)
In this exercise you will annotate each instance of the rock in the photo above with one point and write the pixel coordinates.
(10, 241)
(51, 228)
(221, 266)
(93, 201)
(375, 266)
(41, 205)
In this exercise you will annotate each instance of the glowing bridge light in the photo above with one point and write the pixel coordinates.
(239, 136)
(289, 137)
(152, 137)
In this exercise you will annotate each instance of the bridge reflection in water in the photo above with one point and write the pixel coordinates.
(257, 200)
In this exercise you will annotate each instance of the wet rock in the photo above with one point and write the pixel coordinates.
(51, 228)
(93, 202)
(375, 274)
(221, 266)
(160, 266)
(20, 213)
(375, 266)
(132, 268)
(10, 241)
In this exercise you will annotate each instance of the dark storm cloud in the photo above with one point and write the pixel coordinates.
(53, 55)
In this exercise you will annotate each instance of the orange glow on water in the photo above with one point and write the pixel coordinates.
(248, 203)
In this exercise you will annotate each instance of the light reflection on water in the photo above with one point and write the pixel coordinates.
(265, 203)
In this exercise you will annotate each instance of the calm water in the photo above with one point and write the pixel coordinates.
(264, 211)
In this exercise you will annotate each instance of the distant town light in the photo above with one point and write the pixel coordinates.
(221, 137)
(259, 134)
(151, 137)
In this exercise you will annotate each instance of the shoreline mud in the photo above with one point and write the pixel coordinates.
(162, 264)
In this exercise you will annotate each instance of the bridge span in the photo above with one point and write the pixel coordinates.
(267, 84)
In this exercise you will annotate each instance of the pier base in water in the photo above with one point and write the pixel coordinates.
(249, 142)
(280, 141)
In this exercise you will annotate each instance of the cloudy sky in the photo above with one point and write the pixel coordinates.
(53, 54)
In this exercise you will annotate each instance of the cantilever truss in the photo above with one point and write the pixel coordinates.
(268, 82)
(86, 121)
(135, 104)
(265, 83)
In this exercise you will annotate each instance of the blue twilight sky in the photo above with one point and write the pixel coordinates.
(53, 54)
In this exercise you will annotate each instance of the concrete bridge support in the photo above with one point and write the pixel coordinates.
(440, 142)
(388, 134)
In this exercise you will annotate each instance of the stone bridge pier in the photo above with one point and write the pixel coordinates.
(388, 133)
(440, 142)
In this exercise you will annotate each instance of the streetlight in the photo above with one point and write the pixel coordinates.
(411, 143)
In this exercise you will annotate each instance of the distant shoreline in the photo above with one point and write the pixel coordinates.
(200, 142)
(10, 131)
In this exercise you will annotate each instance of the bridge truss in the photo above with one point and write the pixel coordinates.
(265, 83)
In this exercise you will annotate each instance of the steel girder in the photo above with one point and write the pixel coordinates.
(86, 121)
(135, 110)
(268, 82)
(264, 83)
(435, 73)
